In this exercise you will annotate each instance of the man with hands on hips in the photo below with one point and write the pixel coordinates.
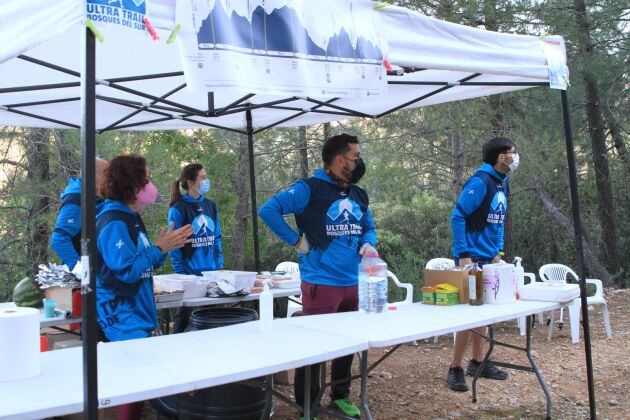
(335, 228)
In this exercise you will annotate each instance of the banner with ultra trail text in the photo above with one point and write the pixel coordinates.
(324, 48)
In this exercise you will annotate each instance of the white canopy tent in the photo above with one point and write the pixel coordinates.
(54, 75)
(447, 62)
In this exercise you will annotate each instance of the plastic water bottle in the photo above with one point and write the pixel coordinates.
(372, 284)
(265, 305)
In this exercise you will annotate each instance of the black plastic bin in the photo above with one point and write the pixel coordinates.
(224, 402)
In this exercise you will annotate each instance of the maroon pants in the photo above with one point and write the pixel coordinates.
(320, 299)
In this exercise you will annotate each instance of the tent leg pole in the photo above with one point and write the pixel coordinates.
(252, 183)
(88, 227)
(575, 206)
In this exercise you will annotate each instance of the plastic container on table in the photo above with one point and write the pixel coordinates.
(193, 286)
(238, 279)
(372, 284)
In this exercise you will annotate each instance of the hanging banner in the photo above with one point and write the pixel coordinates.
(117, 14)
(324, 48)
(553, 47)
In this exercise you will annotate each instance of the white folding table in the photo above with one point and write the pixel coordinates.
(277, 293)
(138, 370)
(419, 321)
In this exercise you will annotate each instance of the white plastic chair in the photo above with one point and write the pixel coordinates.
(294, 268)
(522, 321)
(558, 273)
(407, 286)
(291, 268)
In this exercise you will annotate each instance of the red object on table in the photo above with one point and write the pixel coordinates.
(43, 343)
(77, 308)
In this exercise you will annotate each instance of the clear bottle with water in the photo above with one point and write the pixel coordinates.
(372, 284)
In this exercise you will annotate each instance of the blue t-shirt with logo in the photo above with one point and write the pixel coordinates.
(124, 282)
(487, 242)
(205, 253)
(336, 223)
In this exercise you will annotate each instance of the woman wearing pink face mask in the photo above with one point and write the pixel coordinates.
(126, 258)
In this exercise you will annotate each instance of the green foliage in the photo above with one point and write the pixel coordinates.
(412, 233)
(412, 158)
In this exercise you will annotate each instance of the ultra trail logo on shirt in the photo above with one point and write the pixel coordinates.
(204, 231)
(344, 218)
(498, 208)
(144, 244)
(126, 13)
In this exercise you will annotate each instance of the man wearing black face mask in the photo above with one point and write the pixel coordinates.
(335, 228)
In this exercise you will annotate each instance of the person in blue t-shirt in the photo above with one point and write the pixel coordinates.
(125, 259)
(205, 252)
(66, 238)
(335, 228)
(478, 223)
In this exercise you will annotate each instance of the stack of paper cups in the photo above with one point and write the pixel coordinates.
(19, 344)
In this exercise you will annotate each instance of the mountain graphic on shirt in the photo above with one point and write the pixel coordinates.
(144, 241)
(203, 225)
(499, 203)
(341, 210)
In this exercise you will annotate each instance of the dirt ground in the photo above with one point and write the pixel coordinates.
(410, 383)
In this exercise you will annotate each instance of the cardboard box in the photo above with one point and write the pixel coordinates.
(427, 294)
(446, 298)
(286, 377)
(62, 297)
(458, 279)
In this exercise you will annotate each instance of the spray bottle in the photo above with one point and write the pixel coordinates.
(519, 272)
(265, 306)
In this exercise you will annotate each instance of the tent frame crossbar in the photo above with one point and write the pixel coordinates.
(242, 104)
(88, 134)
(427, 95)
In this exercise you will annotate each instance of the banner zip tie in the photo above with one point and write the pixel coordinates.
(387, 65)
(173, 34)
(151, 29)
(95, 31)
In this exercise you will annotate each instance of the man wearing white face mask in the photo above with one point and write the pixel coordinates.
(205, 252)
(478, 223)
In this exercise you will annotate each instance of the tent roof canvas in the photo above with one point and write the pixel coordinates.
(443, 55)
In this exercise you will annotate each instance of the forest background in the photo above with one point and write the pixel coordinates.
(417, 160)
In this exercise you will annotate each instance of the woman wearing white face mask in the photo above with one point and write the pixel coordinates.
(205, 252)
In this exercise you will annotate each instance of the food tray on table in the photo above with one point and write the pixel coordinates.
(193, 286)
(284, 282)
(161, 297)
(549, 292)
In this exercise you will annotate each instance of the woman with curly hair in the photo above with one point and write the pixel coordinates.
(126, 258)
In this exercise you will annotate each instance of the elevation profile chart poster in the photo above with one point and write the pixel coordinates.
(323, 48)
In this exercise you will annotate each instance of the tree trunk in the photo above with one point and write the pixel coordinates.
(593, 264)
(598, 141)
(457, 151)
(302, 147)
(617, 137)
(241, 208)
(327, 131)
(69, 161)
(38, 176)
